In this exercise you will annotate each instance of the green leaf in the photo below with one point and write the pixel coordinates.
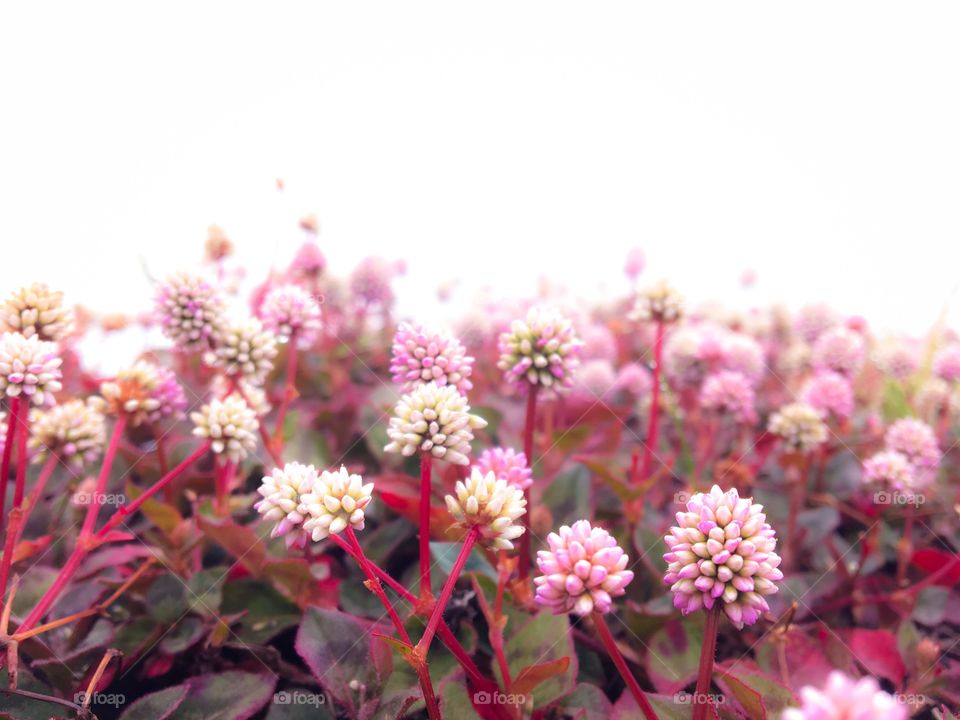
(240, 541)
(445, 555)
(206, 590)
(266, 612)
(931, 606)
(338, 650)
(568, 497)
(544, 639)
(586, 702)
(228, 695)
(156, 706)
(759, 695)
(300, 704)
(674, 654)
(455, 702)
(167, 599)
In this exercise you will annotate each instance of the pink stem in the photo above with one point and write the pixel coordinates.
(7, 452)
(653, 425)
(127, 510)
(375, 585)
(424, 645)
(289, 388)
(701, 700)
(528, 425)
(614, 652)
(93, 509)
(426, 468)
(15, 528)
(23, 420)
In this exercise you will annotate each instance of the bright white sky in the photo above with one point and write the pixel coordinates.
(818, 143)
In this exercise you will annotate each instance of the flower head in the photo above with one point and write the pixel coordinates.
(309, 262)
(231, 426)
(29, 367)
(729, 392)
(336, 500)
(506, 464)
(490, 504)
(898, 361)
(844, 698)
(634, 379)
(290, 310)
(282, 492)
(814, 320)
(840, 349)
(37, 310)
(144, 392)
(891, 469)
(436, 420)
(245, 350)
(658, 303)
(190, 311)
(74, 431)
(254, 395)
(946, 363)
(636, 261)
(800, 427)
(541, 351)
(743, 354)
(722, 548)
(917, 441)
(370, 281)
(583, 570)
(421, 356)
(830, 393)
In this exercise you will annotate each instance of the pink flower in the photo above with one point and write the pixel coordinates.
(840, 349)
(729, 392)
(29, 367)
(506, 464)
(634, 379)
(190, 311)
(290, 310)
(422, 356)
(915, 440)
(898, 362)
(844, 698)
(309, 262)
(582, 572)
(830, 393)
(891, 469)
(813, 320)
(370, 281)
(722, 548)
(542, 350)
(946, 363)
(635, 263)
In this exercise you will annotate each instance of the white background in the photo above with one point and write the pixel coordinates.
(818, 143)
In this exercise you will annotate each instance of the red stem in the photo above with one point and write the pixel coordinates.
(426, 468)
(375, 585)
(289, 388)
(23, 420)
(906, 544)
(93, 509)
(701, 700)
(653, 425)
(127, 510)
(12, 415)
(614, 652)
(424, 645)
(528, 426)
(15, 528)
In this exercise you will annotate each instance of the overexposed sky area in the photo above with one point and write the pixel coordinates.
(817, 143)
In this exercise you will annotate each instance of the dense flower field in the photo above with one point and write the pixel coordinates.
(296, 504)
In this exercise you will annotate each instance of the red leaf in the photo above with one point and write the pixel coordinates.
(931, 560)
(533, 675)
(877, 651)
(29, 548)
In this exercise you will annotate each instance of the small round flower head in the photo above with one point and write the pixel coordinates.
(73, 430)
(946, 363)
(897, 361)
(490, 504)
(336, 500)
(636, 261)
(190, 311)
(231, 426)
(729, 393)
(370, 281)
(594, 381)
(144, 392)
(722, 548)
(840, 349)
(658, 303)
(743, 354)
(37, 310)
(433, 420)
(917, 441)
(890, 469)
(599, 343)
(290, 310)
(800, 427)
(542, 350)
(309, 262)
(830, 393)
(506, 464)
(282, 492)
(421, 356)
(844, 698)
(634, 379)
(582, 572)
(814, 320)
(932, 397)
(29, 367)
(245, 350)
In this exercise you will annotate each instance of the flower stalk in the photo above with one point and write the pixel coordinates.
(621, 664)
(12, 424)
(468, 542)
(426, 472)
(701, 700)
(653, 426)
(528, 427)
